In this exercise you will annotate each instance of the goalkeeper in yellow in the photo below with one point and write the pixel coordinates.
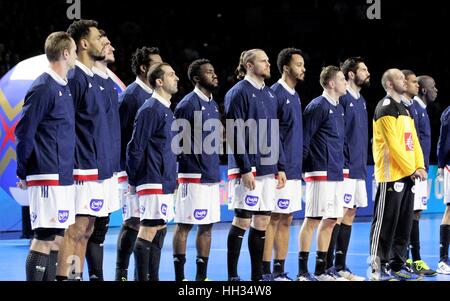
(398, 162)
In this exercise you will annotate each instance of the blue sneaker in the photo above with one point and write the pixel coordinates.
(306, 277)
(406, 274)
(267, 277)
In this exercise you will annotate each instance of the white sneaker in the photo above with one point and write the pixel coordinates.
(325, 277)
(333, 273)
(347, 274)
(306, 277)
(443, 268)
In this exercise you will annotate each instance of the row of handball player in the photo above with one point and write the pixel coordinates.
(120, 156)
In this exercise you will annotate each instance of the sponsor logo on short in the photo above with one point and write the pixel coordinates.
(347, 198)
(142, 209)
(124, 209)
(63, 216)
(96, 204)
(413, 189)
(251, 200)
(398, 186)
(200, 214)
(424, 200)
(283, 203)
(164, 209)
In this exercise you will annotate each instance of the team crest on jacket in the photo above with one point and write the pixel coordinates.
(409, 144)
(398, 186)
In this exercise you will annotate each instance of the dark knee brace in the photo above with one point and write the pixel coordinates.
(101, 226)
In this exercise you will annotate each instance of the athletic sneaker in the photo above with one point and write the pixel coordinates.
(333, 273)
(347, 274)
(421, 268)
(406, 274)
(327, 277)
(267, 277)
(282, 277)
(237, 278)
(384, 274)
(444, 267)
(306, 277)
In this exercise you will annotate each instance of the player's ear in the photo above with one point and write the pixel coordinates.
(143, 69)
(84, 43)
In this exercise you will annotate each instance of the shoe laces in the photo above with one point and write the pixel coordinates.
(421, 265)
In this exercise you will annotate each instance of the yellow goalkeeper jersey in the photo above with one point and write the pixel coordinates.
(396, 148)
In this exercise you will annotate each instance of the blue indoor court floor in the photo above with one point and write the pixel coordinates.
(13, 252)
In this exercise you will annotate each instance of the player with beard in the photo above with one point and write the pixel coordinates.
(355, 167)
(398, 162)
(93, 155)
(151, 165)
(417, 109)
(94, 251)
(198, 197)
(130, 101)
(288, 200)
(252, 169)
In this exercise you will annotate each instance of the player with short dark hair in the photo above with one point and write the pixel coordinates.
(93, 155)
(130, 101)
(291, 66)
(355, 166)
(94, 250)
(417, 109)
(151, 167)
(198, 197)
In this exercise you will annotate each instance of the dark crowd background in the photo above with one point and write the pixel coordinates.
(409, 35)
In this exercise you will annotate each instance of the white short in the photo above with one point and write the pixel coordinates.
(447, 184)
(354, 193)
(123, 197)
(324, 199)
(111, 188)
(262, 198)
(197, 204)
(52, 206)
(90, 198)
(420, 190)
(156, 206)
(289, 198)
(130, 207)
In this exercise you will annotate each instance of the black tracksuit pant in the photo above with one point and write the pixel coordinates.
(391, 224)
